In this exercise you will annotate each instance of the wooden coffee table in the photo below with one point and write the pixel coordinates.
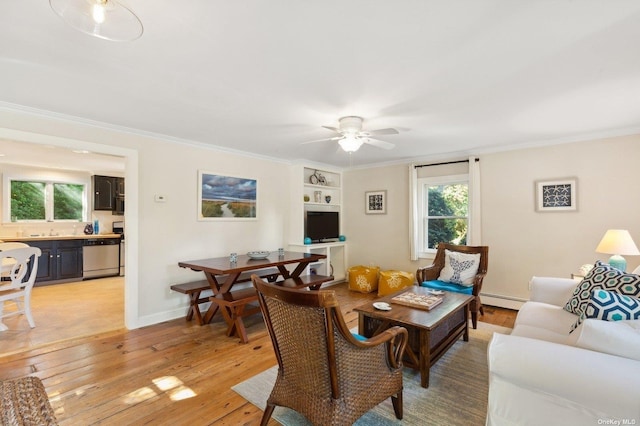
(431, 333)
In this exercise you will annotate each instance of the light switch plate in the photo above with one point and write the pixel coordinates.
(159, 198)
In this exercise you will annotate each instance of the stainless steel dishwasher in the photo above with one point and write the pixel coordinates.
(100, 258)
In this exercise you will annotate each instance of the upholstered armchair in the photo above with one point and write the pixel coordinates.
(325, 372)
(430, 276)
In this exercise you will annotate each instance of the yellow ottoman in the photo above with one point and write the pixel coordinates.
(363, 278)
(392, 281)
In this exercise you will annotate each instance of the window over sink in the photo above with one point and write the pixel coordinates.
(43, 200)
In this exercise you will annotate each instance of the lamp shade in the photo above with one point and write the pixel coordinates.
(617, 241)
(350, 143)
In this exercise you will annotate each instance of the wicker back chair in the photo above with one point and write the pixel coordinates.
(432, 272)
(324, 372)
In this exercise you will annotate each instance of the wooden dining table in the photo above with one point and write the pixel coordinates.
(222, 275)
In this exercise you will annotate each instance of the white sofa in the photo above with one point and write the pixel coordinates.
(542, 374)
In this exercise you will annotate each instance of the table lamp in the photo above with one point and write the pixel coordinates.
(618, 242)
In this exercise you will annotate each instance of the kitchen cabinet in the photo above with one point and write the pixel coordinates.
(119, 197)
(60, 260)
(108, 194)
(104, 189)
(119, 187)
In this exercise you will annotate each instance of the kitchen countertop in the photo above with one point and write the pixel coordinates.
(57, 237)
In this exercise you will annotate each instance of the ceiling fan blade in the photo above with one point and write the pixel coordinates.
(378, 143)
(323, 140)
(388, 131)
(333, 129)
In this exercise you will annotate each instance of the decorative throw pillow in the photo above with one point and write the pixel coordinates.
(605, 277)
(609, 306)
(459, 268)
(392, 281)
(363, 279)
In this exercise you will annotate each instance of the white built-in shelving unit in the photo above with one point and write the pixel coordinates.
(309, 191)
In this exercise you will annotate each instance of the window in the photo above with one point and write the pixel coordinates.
(47, 201)
(443, 211)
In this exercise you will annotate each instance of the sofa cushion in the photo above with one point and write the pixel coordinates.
(538, 333)
(459, 268)
(551, 318)
(621, 338)
(609, 306)
(446, 286)
(606, 277)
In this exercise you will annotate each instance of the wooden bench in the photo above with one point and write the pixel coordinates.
(233, 306)
(194, 290)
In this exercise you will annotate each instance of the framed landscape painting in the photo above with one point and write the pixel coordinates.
(226, 197)
(556, 195)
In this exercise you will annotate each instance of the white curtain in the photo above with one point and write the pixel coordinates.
(475, 212)
(413, 212)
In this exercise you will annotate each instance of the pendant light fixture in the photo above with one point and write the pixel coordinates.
(106, 19)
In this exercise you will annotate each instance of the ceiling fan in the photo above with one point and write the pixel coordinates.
(352, 136)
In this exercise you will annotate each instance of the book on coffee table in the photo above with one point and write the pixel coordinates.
(419, 301)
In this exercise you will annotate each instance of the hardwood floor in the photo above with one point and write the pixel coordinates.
(65, 311)
(175, 372)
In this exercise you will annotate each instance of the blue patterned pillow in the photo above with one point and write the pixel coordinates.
(605, 277)
(610, 306)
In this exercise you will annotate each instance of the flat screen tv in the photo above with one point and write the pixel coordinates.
(322, 226)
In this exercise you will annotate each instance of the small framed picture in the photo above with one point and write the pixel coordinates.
(556, 195)
(375, 202)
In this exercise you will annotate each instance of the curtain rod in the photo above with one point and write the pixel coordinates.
(445, 163)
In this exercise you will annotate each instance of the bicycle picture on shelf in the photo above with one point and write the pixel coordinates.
(317, 178)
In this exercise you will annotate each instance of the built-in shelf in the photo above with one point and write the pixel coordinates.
(304, 186)
(335, 262)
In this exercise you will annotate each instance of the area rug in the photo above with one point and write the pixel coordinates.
(457, 393)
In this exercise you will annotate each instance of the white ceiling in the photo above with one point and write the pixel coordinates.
(454, 77)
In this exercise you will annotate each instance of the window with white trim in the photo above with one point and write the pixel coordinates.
(443, 211)
(41, 200)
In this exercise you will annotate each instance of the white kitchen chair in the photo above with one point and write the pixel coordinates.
(7, 262)
(17, 281)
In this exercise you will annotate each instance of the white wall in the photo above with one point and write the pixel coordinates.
(170, 232)
(159, 235)
(522, 241)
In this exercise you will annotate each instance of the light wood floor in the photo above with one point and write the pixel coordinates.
(166, 374)
(65, 311)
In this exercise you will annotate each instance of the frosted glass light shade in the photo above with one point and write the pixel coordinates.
(106, 19)
(350, 143)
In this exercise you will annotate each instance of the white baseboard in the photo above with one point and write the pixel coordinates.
(502, 301)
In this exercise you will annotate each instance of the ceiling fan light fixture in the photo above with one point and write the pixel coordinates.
(105, 19)
(350, 143)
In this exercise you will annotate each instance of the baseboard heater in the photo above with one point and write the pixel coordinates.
(502, 301)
